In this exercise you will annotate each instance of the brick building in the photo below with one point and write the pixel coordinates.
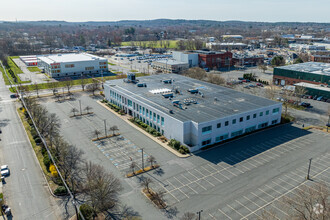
(320, 58)
(212, 59)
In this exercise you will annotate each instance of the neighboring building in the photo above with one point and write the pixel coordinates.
(311, 72)
(169, 66)
(228, 37)
(194, 112)
(315, 90)
(29, 60)
(320, 58)
(226, 46)
(186, 57)
(247, 60)
(212, 59)
(62, 65)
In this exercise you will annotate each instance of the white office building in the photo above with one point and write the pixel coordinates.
(63, 65)
(193, 112)
(186, 57)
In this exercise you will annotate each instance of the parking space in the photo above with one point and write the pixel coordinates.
(122, 152)
(207, 176)
(268, 197)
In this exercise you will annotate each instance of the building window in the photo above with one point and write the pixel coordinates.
(226, 123)
(236, 133)
(248, 117)
(219, 125)
(150, 115)
(254, 115)
(129, 103)
(240, 119)
(267, 112)
(275, 111)
(154, 117)
(250, 129)
(261, 114)
(221, 138)
(162, 121)
(274, 122)
(143, 111)
(158, 118)
(234, 121)
(207, 130)
(263, 125)
(206, 142)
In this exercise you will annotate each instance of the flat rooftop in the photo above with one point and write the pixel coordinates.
(69, 58)
(313, 86)
(170, 62)
(309, 67)
(218, 101)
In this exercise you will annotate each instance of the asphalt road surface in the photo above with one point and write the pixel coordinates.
(25, 190)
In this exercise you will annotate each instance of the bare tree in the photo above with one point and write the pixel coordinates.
(196, 73)
(36, 88)
(216, 79)
(146, 181)
(299, 92)
(189, 216)
(151, 159)
(286, 96)
(54, 86)
(114, 129)
(87, 109)
(74, 111)
(97, 133)
(101, 188)
(159, 198)
(309, 202)
(262, 67)
(133, 166)
(68, 84)
(93, 87)
(271, 92)
(83, 82)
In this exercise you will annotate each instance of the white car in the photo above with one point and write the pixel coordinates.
(5, 170)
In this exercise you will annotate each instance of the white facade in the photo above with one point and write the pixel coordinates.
(194, 134)
(186, 57)
(62, 65)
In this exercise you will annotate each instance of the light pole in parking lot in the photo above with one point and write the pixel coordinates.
(142, 160)
(309, 168)
(105, 127)
(199, 214)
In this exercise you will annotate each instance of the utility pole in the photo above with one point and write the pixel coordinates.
(105, 127)
(199, 214)
(80, 107)
(309, 168)
(142, 160)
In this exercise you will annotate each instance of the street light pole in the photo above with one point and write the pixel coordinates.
(142, 160)
(199, 214)
(309, 168)
(80, 107)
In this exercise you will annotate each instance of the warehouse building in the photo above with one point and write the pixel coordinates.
(63, 65)
(186, 57)
(311, 72)
(193, 112)
(29, 60)
(315, 90)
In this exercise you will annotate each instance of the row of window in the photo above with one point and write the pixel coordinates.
(69, 65)
(89, 68)
(208, 129)
(236, 133)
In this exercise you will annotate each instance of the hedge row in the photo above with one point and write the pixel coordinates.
(146, 127)
(175, 144)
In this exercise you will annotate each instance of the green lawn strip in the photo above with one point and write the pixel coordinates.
(134, 71)
(4, 76)
(37, 150)
(111, 64)
(13, 66)
(34, 69)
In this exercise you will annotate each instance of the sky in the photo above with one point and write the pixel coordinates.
(115, 10)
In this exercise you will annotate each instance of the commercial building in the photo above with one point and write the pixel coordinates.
(29, 60)
(320, 58)
(212, 59)
(62, 65)
(186, 57)
(247, 60)
(226, 46)
(169, 66)
(310, 72)
(315, 90)
(194, 112)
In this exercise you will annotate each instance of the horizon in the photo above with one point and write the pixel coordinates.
(214, 10)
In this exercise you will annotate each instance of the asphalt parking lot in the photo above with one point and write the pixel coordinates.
(233, 181)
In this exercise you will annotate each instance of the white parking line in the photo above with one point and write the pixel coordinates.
(251, 201)
(266, 192)
(212, 216)
(224, 214)
(258, 196)
(205, 169)
(243, 205)
(235, 210)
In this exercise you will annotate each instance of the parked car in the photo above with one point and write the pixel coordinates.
(252, 85)
(319, 98)
(14, 96)
(260, 84)
(240, 78)
(5, 170)
(305, 104)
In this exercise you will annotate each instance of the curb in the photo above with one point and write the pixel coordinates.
(145, 133)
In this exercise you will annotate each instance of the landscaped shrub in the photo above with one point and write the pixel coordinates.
(47, 161)
(86, 211)
(61, 190)
(174, 144)
(185, 149)
(181, 151)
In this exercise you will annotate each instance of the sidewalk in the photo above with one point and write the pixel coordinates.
(164, 145)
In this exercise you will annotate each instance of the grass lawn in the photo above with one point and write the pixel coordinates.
(75, 82)
(156, 45)
(13, 66)
(111, 64)
(34, 69)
